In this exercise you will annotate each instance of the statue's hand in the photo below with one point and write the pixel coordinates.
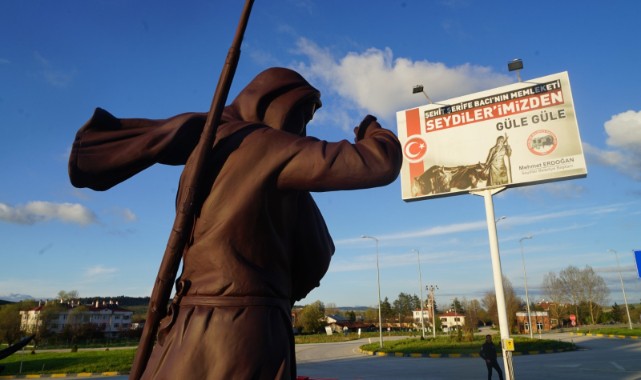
(359, 131)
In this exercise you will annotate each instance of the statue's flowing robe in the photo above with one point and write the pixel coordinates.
(259, 241)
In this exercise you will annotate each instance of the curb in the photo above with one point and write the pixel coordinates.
(611, 336)
(436, 356)
(79, 375)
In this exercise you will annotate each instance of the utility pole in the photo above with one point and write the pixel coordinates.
(420, 286)
(527, 298)
(431, 289)
(625, 299)
(378, 282)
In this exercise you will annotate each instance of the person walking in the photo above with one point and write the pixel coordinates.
(488, 353)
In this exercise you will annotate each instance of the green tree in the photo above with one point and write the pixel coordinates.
(457, 306)
(617, 313)
(48, 318)
(77, 321)
(371, 315)
(10, 323)
(386, 310)
(351, 316)
(635, 313)
(312, 318)
(404, 305)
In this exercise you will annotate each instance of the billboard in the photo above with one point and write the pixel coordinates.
(514, 135)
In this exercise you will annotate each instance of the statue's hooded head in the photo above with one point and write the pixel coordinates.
(279, 98)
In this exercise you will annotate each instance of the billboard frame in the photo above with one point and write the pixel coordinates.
(530, 128)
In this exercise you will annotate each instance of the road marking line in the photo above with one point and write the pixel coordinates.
(617, 366)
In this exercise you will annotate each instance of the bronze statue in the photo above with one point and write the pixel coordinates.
(259, 242)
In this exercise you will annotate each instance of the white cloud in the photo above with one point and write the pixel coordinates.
(480, 225)
(376, 82)
(431, 231)
(624, 140)
(39, 211)
(440, 230)
(624, 131)
(565, 189)
(53, 76)
(99, 270)
(129, 215)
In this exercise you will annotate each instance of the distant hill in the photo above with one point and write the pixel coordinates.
(15, 297)
(343, 308)
(353, 308)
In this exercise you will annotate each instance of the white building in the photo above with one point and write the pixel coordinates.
(108, 317)
(427, 318)
(451, 321)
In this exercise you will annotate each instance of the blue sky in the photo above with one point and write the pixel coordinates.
(153, 59)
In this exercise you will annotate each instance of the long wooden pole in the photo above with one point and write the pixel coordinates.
(183, 223)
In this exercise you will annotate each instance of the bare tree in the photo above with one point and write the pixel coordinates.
(472, 317)
(331, 308)
(570, 280)
(68, 296)
(512, 304)
(553, 290)
(576, 287)
(596, 292)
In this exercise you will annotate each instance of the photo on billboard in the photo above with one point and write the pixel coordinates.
(515, 135)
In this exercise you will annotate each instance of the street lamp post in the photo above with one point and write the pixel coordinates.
(378, 282)
(420, 89)
(420, 286)
(527, 298)
(625, 300)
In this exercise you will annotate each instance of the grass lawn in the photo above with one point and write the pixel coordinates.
(120, 360)
(613, 331)
(114, 360)
(68, 362)
(447, 345)
(337, 337)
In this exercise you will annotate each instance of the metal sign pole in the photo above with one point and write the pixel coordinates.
(498, 277)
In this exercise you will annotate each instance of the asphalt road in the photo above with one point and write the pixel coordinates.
(598, 359)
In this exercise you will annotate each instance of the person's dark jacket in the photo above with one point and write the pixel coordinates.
(488, 351)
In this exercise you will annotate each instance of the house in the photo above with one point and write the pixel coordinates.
(427, 318)
(334, 319)
(340, 324)
(451, 321)
(540, 322)
(556, 311)
(108, 317)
